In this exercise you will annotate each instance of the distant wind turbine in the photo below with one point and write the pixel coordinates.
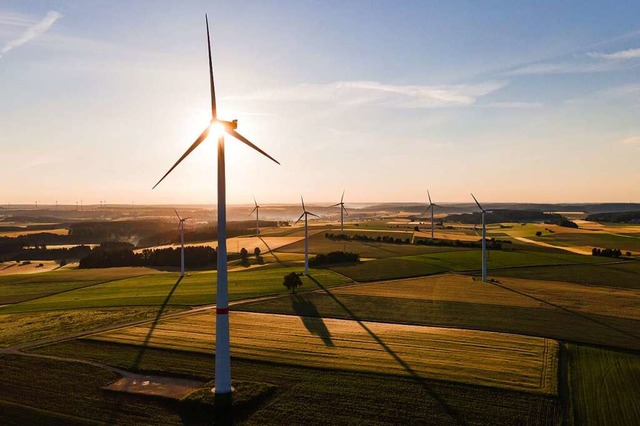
(343, 209)
(431, 207)
(484, 241)
(306, 214)
(181, 228)
(257, 210)
(222, 360)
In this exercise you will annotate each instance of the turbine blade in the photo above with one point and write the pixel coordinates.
(241, 138)
(342, 198)
(335, 205)
(303, 209)
(254, 201)
(193, 146)
(427, 210)
(301, 216)
(214, 113)
(177, 214)
(474, 199)
(429, 195)
(186, 218)
(311, 214)
(254, 209)
(345, 209)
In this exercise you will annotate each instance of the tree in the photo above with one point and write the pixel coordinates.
(256, 252)
(539, 234)
(416, 228)
(291, 281)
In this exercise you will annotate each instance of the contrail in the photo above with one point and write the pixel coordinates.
(32, 32)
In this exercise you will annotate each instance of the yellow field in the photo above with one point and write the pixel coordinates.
(14, 234)
(484, 358)
(13, 268)
(447, 235)
(234, 245)
(584, 250)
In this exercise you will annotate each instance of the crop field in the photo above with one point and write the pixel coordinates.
(23, 328)
(39, 391)
(308, 396)
(547, 309)
(34, 267)
(614, 274)
(14, 234)
(153, 290)
(234, 245)
(483, 358)
(604, 386)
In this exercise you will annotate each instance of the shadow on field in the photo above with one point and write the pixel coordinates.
(269, 249)
(415, 376)
(311, 318)
(138, 360)
(569, 311)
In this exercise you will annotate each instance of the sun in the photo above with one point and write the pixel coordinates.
(216, 129)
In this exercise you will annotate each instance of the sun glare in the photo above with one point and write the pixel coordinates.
(216, 130)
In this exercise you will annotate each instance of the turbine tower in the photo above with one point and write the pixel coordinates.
(484, 242)
(306, 214)
(431, 207)
(257, 210)
(181, 228)
(343, 209)
(223, 359)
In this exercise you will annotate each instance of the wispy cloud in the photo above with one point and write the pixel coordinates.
(30, 32)
(617, 56)
(376, 93)
(516, 105)
(592, 62)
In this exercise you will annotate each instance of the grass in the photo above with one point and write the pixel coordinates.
(621, 275)
(41, 391)
(459, 260)
(19, 288)
(483, 358)
(312, 396)
(545, 309)
(593, 239)
(154, 290)
(18, 329)
(604, 386)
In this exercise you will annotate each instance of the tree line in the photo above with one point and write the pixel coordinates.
(195, 257)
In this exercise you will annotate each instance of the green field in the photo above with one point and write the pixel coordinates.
(458, 260)
(196, 289)
(594, 239)
(313, 396)
(604, 386)
(18, 288)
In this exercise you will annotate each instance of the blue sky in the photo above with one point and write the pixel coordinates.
(515, 101)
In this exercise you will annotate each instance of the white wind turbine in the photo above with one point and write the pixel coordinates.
(181, 228)
(306, 214)
(484, 241)
(343, 210)
(223, 359)
(257, 210)
(431, 207)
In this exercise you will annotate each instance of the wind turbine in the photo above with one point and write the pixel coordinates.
(484, 241)
(306, 214)
(257, 210)
(343, 209)
(431, 207)
(223, 359)
(181, 228)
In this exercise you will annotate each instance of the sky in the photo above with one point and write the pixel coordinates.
(528, 101)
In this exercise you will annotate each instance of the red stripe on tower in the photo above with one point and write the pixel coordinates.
(222, 311)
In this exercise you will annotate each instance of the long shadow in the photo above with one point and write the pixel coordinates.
(569, 311)
(311, 318)
(414, 375)
(270, 250)
(138, 360)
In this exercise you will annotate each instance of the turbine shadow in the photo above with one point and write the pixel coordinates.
(138, 360)
(569, 311)
(269, 249)
(412, 373)
(311, 318)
